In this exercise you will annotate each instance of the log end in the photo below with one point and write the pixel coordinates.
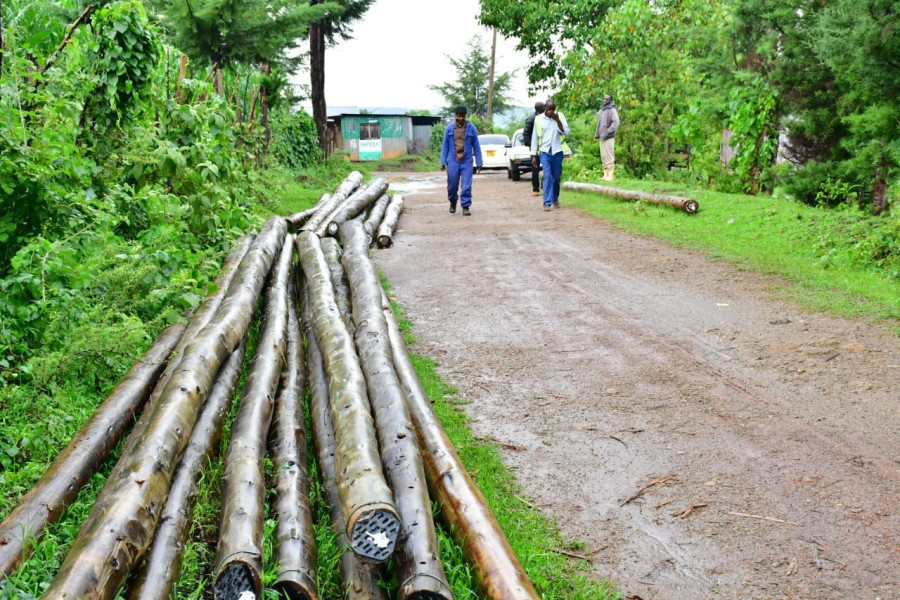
(427, 595)
(385, 241)
(425, 586)
(373, 531)
(691, 207)
(294, 590)
(237, 581)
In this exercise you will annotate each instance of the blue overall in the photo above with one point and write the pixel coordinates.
(460, 172)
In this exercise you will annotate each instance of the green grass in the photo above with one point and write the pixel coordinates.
(418, 163)
(822, 254)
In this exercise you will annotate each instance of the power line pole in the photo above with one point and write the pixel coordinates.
(490, 98)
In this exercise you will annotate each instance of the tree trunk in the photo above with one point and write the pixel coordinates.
(349, 186)
(359, 579)
(375, 216)
(295, 542)
(218, 81)
(366, 501)
(686, 204)
(157, 576)
(417, 565)
(389, 223)
(498, 572)
(264, 111)
(354, 205)
(182, 74)
(239, 554)
(121, 525)
(317, 80)
(879, 188)
(87, 450)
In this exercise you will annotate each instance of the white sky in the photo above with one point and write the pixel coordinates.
(400, 47)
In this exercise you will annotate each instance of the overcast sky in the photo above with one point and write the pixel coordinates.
(400, 47)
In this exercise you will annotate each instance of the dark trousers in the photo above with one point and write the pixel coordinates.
(535, 180)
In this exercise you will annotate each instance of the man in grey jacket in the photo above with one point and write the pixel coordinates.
(607, 125)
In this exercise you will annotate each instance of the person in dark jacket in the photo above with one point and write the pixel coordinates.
(460, 146)
(607, 125)
(526, 138)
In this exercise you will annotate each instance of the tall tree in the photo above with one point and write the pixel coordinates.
(328, 30)
(774, 39)
(860, 43)
(253, 32)
(470, 88)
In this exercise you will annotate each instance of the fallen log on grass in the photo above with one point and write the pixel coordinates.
(418, 565)
(686, 204)
(125, 515)
(389, 224)
(347, 187)
(295, 543)
(498, 572)
(355, 205)
(366, 500)
(158, 574)
(376, 214)
(87, 450)
(359, 579)
(239, 557)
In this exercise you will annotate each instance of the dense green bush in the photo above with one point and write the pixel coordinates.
(296, 144)
(116, 200)
(436, 140)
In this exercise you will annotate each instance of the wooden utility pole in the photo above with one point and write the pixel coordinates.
(490, 98)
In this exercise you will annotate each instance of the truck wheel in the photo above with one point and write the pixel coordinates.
(514, 173)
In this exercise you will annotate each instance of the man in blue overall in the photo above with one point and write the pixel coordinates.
(460, 145)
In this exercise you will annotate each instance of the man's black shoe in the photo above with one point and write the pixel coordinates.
(556, 204)
(452, 207)
(466, 212)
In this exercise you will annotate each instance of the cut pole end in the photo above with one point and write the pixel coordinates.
(373, 532)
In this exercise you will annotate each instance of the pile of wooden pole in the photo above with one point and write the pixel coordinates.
(688, 205)
(380, 450)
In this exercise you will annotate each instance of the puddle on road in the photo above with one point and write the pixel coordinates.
(423, 184)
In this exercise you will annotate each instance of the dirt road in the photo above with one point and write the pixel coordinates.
(617, 361)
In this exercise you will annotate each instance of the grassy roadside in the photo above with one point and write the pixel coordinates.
(824, 255)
